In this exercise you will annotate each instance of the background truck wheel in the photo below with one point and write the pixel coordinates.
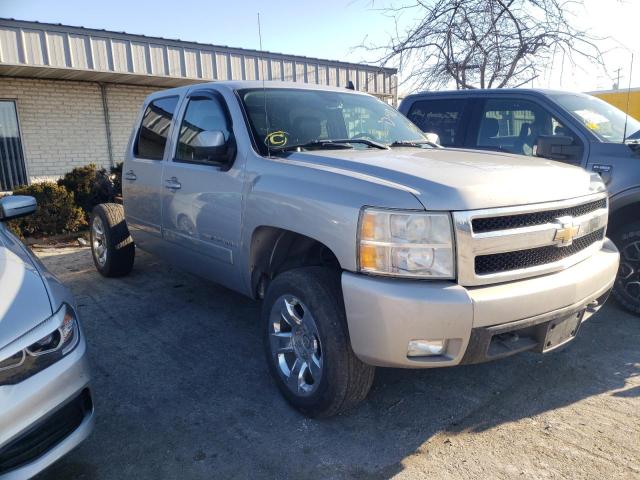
(627, 287)
(307, 343)
(111, 245)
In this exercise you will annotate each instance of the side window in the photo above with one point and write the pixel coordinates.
(438, 116)
(514, 126)
(153, 131)
(203, 114)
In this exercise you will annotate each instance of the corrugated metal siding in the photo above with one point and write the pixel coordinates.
(141, 58)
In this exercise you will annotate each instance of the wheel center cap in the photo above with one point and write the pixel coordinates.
(302, 343)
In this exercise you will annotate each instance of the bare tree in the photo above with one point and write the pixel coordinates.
(483, 43)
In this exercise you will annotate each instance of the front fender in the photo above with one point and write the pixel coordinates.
(323, 205)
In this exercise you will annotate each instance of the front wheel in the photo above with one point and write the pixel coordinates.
(307, 343)
(627, 287)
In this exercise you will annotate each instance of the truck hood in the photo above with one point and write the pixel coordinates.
(24, 302)
(456, 179)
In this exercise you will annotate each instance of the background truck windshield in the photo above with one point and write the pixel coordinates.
(604, 120)
(297, 117)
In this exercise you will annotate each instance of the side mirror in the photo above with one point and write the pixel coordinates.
(433, 137)
(211, 146)
(14, 206)
(557, 147)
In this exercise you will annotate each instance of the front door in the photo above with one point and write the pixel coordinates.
(142, 173)
(201, 212)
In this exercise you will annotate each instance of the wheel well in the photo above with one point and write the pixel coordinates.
(275, 250)
(624, 216)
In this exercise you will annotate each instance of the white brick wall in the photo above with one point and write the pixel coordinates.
(62, 122)
(124, 103)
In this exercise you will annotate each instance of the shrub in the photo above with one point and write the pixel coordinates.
(56, 213)
(89, 185)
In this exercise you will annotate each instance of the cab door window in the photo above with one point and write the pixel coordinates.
(154, 129)
(203, 114)
(514, 126)
(441, 117)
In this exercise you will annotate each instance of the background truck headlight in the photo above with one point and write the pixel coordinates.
(406, 244)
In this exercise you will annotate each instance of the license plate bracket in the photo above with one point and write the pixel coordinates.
(561, 331)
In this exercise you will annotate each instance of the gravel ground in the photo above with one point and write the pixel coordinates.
(182, 392)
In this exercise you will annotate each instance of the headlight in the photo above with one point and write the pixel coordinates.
(406, 244)
(62, 337)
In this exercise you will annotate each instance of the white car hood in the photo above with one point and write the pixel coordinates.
(456, 179)
(24, 302)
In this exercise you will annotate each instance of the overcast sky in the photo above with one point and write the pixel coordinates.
(322, 28)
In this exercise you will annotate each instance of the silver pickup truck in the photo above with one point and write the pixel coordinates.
(368, 245)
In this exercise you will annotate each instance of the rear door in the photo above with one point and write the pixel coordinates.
(142, 172)
(201, 213)
(445, 117)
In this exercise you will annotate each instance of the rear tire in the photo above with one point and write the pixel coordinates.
(112, 247)
(304, 321)
(626, 289)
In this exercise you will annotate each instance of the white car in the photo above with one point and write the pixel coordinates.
(46, 406)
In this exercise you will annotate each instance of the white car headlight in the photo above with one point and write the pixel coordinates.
(406, 244)
(62, 336)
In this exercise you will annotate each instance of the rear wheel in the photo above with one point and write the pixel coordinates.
(627, 287)
(112, 247)
(307, 343)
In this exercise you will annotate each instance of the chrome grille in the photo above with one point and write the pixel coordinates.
(532, 257)
(536, 218)
(503, 244)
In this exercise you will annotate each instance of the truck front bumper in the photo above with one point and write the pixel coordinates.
(478, 323)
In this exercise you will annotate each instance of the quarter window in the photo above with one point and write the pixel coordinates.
(203, 114)
(154, 129)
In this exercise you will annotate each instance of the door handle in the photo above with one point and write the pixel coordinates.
(130, 175)
(172, 184)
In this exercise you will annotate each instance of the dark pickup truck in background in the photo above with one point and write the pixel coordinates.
(568, 127)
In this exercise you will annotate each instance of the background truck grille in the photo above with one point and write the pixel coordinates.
(502, 262)
(505, 222)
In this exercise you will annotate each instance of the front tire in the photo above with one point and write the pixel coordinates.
(626, 289)
(112, 247)
(307, 343)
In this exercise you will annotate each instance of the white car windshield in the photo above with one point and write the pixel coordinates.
(301, 117)
(604, 120)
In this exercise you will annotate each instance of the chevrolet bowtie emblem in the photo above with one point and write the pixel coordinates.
(565, 232)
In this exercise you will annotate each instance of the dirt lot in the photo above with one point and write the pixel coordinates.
(182, 392)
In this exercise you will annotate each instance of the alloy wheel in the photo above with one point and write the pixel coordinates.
(295, 345)
(98, 241)
(629, 272)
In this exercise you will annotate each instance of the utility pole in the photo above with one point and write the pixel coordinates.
(618, 77)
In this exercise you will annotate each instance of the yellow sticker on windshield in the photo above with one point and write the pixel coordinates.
(593, 126)
(276, 139)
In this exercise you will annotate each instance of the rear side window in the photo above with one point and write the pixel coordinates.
(438, 116)
(153, 131)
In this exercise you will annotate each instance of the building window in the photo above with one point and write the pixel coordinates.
(12, 168)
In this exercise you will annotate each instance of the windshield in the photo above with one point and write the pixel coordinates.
(604, 120)
(300, 117)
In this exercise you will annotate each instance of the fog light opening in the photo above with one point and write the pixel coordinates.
(427, 348)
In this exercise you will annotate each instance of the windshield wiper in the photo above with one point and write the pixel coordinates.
(333, 143)
(416, 144)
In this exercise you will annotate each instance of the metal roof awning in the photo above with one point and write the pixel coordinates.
(49, 51)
